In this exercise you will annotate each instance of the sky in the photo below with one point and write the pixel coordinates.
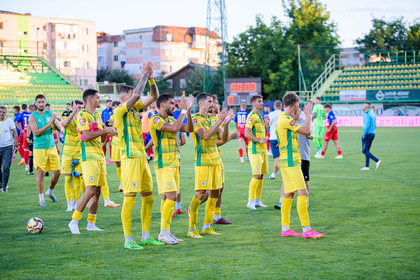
(353, 18)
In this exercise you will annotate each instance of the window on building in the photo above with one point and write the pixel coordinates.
(100, 45)
(1, 25)
(84, 48)
(25, 51)
(115, 57)
(83, 82)
(168, 52)
(141, 37)
(44, 28)
(85, 65)
(83, 31)
(100, 58)
(141, 52)
(170, 68)
(189, 45)
(183, 53)
(115, 44)
(22, 33)
(52, 27)
(44, 46)
(182, 83)
(170, 83)
(67, 63)
(169, 37)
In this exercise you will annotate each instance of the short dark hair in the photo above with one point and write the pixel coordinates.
(116, 103)
(319, 98)
(108, 101)
(3, 107)
(177, 106)
(215, 98)
(267, 106)
(17, 108)
(48, 104)
(163, 98)
(125, 89)
(32, 106)
(24, 106)
(39, 96)
(255, 97)
(290, 99)
(203, 96)
(78, 102)
(69, 104)
(368, 103)
(328, 105)
(87, 93)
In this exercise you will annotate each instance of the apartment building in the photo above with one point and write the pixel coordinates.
(110, 50)
(169, 47)
(68, 45)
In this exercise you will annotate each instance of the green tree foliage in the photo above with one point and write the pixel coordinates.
(270, 51)
(392, 35)
(195, 83)
(117, 76)
(162, 85)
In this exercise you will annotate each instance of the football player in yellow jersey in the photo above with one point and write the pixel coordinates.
(287, 131)
(208, 167)
(71, 156)
(135, 171)
(256, 131)
(163, 129)
(116, 148)
(92, 132)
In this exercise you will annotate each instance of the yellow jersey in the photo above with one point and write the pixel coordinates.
(257, 126)
(71, 145)
(91, 149)
(288, 140)
(128, 125)
(166, 153)
(206, 152)
(115, 139)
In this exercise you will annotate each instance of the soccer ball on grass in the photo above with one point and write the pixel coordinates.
(35, 225)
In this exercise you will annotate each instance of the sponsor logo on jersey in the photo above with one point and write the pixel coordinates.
(203, 183)
(293, 124)
(91, 179)
(82, 121)
(134, 185)
(249, 120)
(195, 122)
(169, 185)
(156, 120)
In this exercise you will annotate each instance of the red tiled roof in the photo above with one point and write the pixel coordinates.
(179, 34)
(102, 37)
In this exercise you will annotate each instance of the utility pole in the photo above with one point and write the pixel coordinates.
(217, 23)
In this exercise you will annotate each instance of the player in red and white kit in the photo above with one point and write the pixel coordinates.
(240, 122)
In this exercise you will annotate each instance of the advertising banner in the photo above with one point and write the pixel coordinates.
(392, 95)
(352, 95)
(381, 121)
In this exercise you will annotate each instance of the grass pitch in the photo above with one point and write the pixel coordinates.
(370, 220)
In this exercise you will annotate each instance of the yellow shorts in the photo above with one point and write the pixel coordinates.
(208, 177)
(116, 153)
(223, 172)
(259, 163)
(94, 172)
(292, 179)
(136, 176)
(66, 164)
(46, 159)
(167, 179)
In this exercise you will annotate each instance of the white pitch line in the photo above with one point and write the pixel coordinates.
(332, 176)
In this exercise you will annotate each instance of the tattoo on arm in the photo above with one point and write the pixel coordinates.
(153, 90)
(141, 85)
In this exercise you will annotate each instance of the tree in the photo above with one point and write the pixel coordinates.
(413, 36)
(195, 83)
(162, 85)
(384, 36)
(270, 51)
(311, 28)
(116, 75)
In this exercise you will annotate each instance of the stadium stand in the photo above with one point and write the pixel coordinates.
(405, 76)
(24, 77)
